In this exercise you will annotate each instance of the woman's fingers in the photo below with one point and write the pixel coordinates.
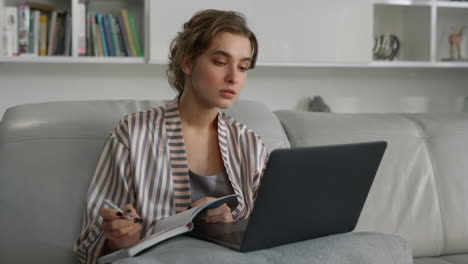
(130, 211)
(109, 214)
(218, 210)
(225, 217)
(202, 201)
(213, 215)
(116, 224)
(219, 214)
(125, 231)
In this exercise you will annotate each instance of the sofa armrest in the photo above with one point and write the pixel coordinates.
(350, 248)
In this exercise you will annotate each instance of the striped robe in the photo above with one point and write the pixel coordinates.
(144, 163)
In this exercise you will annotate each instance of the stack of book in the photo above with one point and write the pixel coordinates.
(108, 35)
(35, 29)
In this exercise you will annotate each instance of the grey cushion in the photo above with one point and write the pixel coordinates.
(97, 119)
(420, 191)
(350, 248)
(48, 153)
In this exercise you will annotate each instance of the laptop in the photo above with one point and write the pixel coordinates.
(305, 193)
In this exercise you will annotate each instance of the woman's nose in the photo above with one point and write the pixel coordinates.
(231, 75)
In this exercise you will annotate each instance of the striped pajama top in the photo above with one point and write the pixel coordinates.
(144, 163)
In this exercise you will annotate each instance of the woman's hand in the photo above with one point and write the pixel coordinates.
(119, 231)
(214, 215)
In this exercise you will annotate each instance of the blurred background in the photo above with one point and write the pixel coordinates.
(354, 56)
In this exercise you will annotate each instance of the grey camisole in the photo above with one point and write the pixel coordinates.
(211, 186)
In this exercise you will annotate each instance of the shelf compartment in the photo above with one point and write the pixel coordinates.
(447, 20)
(62, 8)
(136, 8)
(114, 7)
(412, 26)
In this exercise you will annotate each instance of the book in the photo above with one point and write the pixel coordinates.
(51, 33)
(10, 29)
(56, 40)
(128, 32)
(166, 228)
(32, 20)
(136, 39)
(68, 33)
(23, 29)
(60, 37)
(94, 36)
(100, 23)
(108, 35)
(81, 14)
(98, 38)
(36, 32)
(123, 33)
(115, 40)
(89, 41)
(119, 36)
(43, 35)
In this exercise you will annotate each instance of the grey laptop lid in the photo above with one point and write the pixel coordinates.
(305, 193)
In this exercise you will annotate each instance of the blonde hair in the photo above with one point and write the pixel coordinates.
(197, 35)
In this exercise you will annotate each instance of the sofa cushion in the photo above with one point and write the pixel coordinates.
(403, 199)
(446, 138)
(97, 118)
(48, 154)
(350, 248)
(421, 190)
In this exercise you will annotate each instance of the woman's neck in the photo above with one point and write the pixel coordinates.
(194, 114)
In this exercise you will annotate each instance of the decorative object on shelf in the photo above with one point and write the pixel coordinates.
(317, 104)
(386, 47)
(455, 40)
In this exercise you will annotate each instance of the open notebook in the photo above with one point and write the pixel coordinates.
(166, 228)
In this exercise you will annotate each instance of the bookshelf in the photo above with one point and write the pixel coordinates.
(72, 50)
(423, 27)
(331, 33)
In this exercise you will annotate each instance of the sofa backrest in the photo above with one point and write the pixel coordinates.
(48, 153)
(421, 188)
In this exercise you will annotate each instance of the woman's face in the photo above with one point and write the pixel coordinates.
(219, 74)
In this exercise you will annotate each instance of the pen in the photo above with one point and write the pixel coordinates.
(113, 206)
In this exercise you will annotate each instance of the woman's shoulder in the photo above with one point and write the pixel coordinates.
(141, 116)
(137, 122)
(241, 129)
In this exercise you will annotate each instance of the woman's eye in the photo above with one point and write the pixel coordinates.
(244, 69)
(219, 63)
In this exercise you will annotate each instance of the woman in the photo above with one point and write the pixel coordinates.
(159, 162)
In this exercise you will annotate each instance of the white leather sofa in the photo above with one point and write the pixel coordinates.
(48, 153)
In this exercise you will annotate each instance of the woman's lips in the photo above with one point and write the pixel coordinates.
(227, 93)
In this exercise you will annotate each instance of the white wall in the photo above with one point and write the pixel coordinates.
(277, 87)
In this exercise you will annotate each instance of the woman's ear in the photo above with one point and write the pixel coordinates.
(186, 66)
